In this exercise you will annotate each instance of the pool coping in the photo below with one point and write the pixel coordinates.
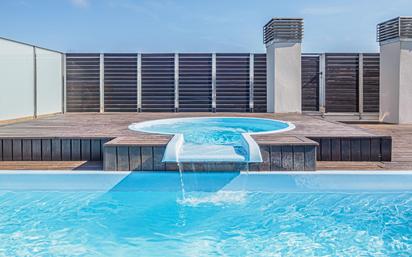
(322, 172)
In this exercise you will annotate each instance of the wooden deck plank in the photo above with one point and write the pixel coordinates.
(56, 150)
(123, 158)
(287, 158)
(36, 150)
(147, 158)
(299, 158)
(26, 151)
(85, 149)
(135, 158)
(7, 150)
(17, 150)
(46, 150)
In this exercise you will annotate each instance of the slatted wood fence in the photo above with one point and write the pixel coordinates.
(223, 82)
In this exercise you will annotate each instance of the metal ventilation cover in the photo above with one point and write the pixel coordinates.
(400, 27)
(283, 30)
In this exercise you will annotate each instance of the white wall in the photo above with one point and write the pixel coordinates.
(49, 82)
(16, 80)
(17, 85)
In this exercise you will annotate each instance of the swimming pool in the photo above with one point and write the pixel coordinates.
(231, 214)
(213, 139)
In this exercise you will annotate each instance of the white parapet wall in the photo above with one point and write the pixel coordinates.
(16, 80)
(49, 82)
(284, 77)
(31, 81)
(395, 71)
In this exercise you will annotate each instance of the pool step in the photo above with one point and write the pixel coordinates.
(210, 153)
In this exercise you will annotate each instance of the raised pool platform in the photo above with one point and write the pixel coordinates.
(106, 138)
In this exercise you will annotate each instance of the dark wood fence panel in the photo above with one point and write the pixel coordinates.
(82, 82)
(232, 82)
(342, 94)
(195, 82)
(120, 82)
(310, 83)
(158, 83)
(259, 85)
(371, 64)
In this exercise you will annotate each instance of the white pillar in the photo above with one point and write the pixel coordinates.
(395, 73)
(284, 86)
(283, 63)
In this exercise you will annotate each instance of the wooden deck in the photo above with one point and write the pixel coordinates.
(112, 125)
(112, 129)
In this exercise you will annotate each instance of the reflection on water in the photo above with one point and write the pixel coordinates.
(144, 223)
(221, 214)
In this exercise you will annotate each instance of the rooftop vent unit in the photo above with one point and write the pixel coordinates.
(283, 30)
(393, 29)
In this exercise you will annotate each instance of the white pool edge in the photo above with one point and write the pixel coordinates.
(173, 147)
(101, 172)
(137, 126)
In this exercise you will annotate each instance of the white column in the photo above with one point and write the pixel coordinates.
(284, 85)
(396, 82)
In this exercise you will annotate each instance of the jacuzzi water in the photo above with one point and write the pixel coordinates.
(213, 138)
(222, 214)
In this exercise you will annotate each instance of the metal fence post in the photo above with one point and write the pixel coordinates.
(34, 82)
(214, 82)
(176, 82)
(101, 85)
(139, 82)
(360, 88)
(251, 81)
(322, 83)
(64, 84)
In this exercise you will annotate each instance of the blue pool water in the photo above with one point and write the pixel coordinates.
(213, 138)
(221, 214)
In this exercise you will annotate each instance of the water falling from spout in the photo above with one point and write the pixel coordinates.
(182, 184)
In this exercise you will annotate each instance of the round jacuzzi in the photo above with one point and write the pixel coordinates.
(214, 138)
